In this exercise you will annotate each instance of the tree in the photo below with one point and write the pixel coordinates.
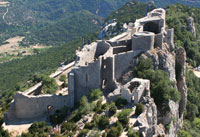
(120, 103)
(103, 122)
(63, 78)
(113, 132)
(83, 101)
(183, 133)
(95, 94)
(68, 126)
(49, 85)
(123, 116)
(139, 109)
(112, 110)
(83, 133)
(132, 133)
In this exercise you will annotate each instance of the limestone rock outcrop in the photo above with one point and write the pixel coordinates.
(181, 78)
(191, 26)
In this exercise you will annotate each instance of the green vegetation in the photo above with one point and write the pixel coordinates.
(54, 22)
(192, 121)
(103, 122)
(162, 89)
(120, 103)
(68, 128)
(139, 109)
(83, 133)
(112, 110)
(49, 85)
(63, 78)
(95, 94)
(177, 18)
(131, 10)
(116, 130)
(59, 116)
(123, 116)
(38, 129)
(132, 133)
(3, 133)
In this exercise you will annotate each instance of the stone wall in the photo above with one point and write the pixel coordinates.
(28, 107)
(143, 41)
(129, 91)
(122, 62)
(87, 78)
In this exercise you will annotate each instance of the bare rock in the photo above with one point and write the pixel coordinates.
(191, 26)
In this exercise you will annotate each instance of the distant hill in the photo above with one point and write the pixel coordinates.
(53, 22)
(163, 3)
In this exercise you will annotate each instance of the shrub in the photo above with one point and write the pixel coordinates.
(183, 133)
(83, 101)
(63, 78)
(119, 128)
(38, 129)
(68, 126)
(59, 116)
(95, 94)
(132, 133)
(49, 85)
(120, 103)
(112, 110)
(98, 107)
(139, 109)
(103, 122)
(113, 132)
(90, 125)
(83, 133)
(123, 116)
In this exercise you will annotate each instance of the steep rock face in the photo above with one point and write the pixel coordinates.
(175, 66)
(191, 26)
(181, 78)
(146, 122)
(164, 60)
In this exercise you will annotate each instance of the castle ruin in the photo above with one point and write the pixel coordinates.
(100, 65)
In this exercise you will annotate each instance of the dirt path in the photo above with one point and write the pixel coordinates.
(5, 15)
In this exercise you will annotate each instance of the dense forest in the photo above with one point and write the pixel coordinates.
(48, 21)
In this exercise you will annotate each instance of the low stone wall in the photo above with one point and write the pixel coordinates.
(137, 92)
(29, 107)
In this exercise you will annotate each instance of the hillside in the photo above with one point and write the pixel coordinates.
(42, 21)
(163, 3)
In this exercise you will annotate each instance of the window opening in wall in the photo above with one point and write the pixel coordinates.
(104, 84)
(151, 27)
(86, 77)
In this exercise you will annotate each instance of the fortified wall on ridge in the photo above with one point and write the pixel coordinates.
(100, 65)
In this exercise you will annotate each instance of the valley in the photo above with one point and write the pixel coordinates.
(11, 50)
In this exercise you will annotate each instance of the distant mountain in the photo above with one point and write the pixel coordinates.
(53, 20)
(163, 3)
